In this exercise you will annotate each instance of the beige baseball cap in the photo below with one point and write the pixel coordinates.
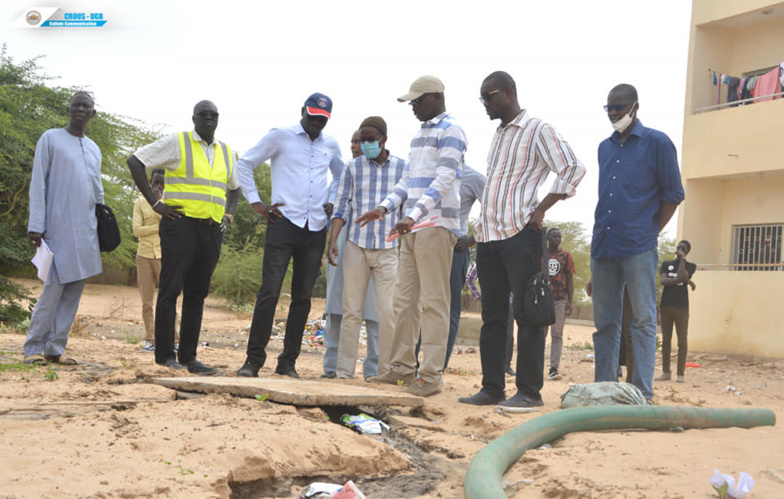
(421, 86)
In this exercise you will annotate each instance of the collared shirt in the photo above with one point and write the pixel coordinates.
(522, 155)
(430, 186)
(299, 169)
(165, 153)
(472, 185)
(635, 178)
(362, 186)
(145, 228)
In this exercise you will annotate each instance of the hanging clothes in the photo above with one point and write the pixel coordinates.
(768, 84)
(733, 84)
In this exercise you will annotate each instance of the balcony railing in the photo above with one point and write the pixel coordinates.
(742, 102)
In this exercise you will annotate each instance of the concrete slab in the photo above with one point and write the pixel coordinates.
(294, 392)
(395, 419)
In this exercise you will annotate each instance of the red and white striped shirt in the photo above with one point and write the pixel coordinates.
(521, 156)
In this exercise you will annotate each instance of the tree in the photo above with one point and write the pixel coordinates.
(30, 105)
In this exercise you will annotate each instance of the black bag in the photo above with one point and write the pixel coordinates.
(538, 304)
(108, 230)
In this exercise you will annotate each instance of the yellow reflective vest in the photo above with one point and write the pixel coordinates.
(195, 185)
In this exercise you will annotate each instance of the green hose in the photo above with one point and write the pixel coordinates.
(483, 479)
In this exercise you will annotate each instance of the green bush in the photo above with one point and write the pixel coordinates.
(238, 274)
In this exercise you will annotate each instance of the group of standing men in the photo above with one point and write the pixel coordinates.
(379, 197)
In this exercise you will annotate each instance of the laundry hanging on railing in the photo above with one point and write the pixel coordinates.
(741, 88)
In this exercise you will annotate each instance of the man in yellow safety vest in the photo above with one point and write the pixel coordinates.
(197, 206)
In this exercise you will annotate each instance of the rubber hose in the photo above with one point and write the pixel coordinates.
(484, 475)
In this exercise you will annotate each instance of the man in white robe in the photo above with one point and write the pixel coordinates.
(64, 188)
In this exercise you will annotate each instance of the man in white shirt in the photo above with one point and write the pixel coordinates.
(300, 157)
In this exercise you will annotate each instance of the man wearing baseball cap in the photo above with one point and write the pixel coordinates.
(430, 189)
(297, 215)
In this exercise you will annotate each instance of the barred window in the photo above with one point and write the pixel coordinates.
(757, 247)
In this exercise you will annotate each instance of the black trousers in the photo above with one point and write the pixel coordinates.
(285, 242)
(504, 266)
(190, 250)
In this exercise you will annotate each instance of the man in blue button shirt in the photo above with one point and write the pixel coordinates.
(300, 157)
(639, 190)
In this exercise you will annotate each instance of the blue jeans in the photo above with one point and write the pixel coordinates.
(609, 276)
(332, 340)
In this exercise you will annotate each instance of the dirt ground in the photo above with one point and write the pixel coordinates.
(101, 429)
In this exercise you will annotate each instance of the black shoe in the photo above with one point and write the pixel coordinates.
(329, 375)
(249, 370)
(481, 398)
(510, 372)
(287, 371)
(520, 400)
(196, 367)
(171, 363)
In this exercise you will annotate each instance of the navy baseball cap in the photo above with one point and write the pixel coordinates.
(319, 105)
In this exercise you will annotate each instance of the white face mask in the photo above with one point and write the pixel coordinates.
(622, 124)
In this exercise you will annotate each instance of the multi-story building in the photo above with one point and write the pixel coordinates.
(733, 175)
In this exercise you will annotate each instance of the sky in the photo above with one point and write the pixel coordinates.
(258, 62)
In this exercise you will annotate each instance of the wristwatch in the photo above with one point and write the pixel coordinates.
(230, 217)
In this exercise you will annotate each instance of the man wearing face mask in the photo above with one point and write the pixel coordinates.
(297, 214)
(364, 184)
(639, 190)
(333, 308)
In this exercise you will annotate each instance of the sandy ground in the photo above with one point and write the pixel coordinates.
(101, 429)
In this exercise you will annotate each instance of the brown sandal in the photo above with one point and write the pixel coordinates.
(35, 360)
(57, 359)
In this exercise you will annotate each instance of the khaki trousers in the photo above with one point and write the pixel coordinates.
(422, 291)
(148, 273)
(358, 265)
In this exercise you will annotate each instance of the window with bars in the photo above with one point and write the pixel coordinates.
(757, 247)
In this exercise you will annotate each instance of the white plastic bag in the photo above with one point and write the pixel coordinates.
(725, 484)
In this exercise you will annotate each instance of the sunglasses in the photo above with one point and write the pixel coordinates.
(485, 98)
(418, 100)
(616, 107)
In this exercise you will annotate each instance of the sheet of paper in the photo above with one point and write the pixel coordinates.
(43, 261)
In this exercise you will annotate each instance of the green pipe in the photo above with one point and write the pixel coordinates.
(483, 479)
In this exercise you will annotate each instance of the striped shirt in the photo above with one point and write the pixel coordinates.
(521, 156)
(362, 186)
(430, 186)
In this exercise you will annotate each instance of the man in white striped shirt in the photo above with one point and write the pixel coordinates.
(431, 187)
(523, 152)
(364, 184)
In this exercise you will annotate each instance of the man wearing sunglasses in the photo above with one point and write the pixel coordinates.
(509, 248)
(297, 214)
(365, 182)
(639, 190)
(430, 187)
(197, 206)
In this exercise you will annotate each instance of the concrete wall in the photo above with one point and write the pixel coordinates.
(733, 171)
(738, 313)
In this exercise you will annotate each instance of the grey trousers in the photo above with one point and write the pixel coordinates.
(52, 317)
(556, 334)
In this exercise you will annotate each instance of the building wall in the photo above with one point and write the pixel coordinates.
(733, 173)
(737, 313)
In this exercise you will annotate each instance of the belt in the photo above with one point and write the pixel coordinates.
(203, 221)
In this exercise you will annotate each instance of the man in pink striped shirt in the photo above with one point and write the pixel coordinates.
(522, 154)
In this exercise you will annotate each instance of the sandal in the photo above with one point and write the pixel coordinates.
(35, 360)
(57, 359)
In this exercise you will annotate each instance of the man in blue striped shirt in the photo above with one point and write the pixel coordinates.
(364, 183)
(431, 189)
